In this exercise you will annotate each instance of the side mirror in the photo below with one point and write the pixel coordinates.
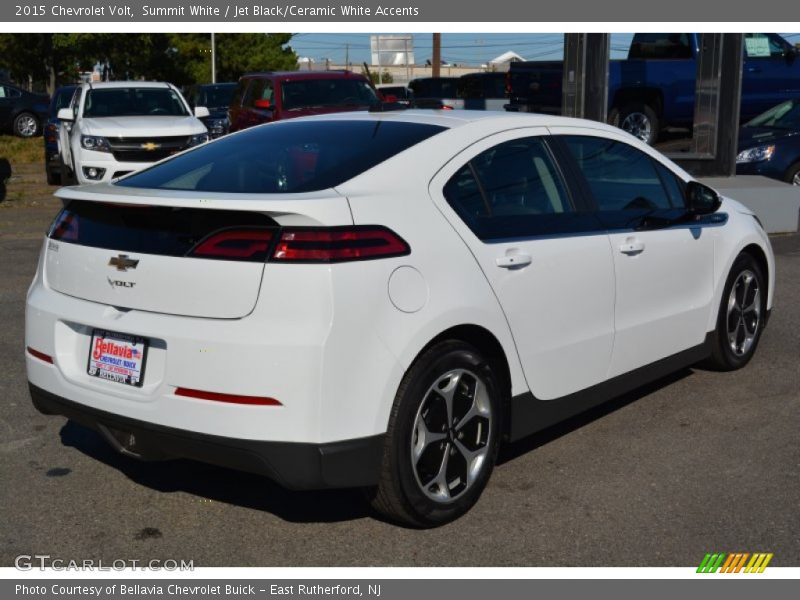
(65, 114)
(701, 199)
(263, 104)
(201, 112)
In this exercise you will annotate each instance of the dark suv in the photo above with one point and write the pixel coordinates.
(52, 149)
(273, 96)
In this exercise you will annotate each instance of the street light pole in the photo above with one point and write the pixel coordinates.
(213, 59)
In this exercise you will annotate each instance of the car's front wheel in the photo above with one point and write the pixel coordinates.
(26, 125)
(442, 439)
(742, 314)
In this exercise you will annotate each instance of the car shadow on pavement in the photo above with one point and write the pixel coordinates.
(219, 484)
(509, 452)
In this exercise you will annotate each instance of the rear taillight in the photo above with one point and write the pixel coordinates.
(229, 398)
(235, 244)
(338, 244)
(51, 133)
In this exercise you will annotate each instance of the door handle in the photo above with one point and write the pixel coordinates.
(631, 246)
(513, 261)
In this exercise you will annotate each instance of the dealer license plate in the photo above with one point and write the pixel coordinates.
(117, 357)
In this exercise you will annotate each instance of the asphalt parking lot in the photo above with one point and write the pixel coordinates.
(699, 462)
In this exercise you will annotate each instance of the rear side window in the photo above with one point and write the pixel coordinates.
(654, 46)
(284, 157)
(512, 190)
(621, 178)
(763, 45)
(305, 93)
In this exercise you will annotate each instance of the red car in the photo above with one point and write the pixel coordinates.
(273, 96)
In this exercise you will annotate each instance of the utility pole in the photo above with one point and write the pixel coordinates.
(213, 59)
(436, 61)
(405, 46)
(378, 48)
(347, 56)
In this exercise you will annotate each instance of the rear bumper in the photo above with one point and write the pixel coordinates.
(297, 466)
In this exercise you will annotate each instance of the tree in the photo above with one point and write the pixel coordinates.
(237, 53)
(386, 76)
(30, 57)
(50, 59)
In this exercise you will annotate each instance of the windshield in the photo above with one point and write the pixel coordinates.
(134, 102)
(214, 96)
(286, 156)
(327, 92)
(784, 116)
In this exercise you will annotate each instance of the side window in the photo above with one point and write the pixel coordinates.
(510, 190)
(267, 93)
(620, 177)
(253, 93)
(3, 93)
(762, 45)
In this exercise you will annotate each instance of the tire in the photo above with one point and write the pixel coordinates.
(26, 125)
(53, 178)
(638, 119)
(67, 176)
(461, 458)
(793, 174)
(742, 312)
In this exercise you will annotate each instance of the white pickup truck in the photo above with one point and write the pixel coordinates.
(111, 129)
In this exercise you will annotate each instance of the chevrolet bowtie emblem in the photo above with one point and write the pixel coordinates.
(122, 262)
(150, 146)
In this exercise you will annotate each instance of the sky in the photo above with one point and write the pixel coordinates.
(458, 48)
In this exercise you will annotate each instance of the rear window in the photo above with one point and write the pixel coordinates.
(307, 93)
(216, 95)
(435, 88)
(285, 157)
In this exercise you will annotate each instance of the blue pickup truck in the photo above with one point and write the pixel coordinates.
(654, 87)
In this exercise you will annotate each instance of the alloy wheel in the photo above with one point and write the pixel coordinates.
(451, 436)
(638, 125)
(26, 126)
(744, 313)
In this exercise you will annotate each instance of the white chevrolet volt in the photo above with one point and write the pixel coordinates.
(381, 299)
